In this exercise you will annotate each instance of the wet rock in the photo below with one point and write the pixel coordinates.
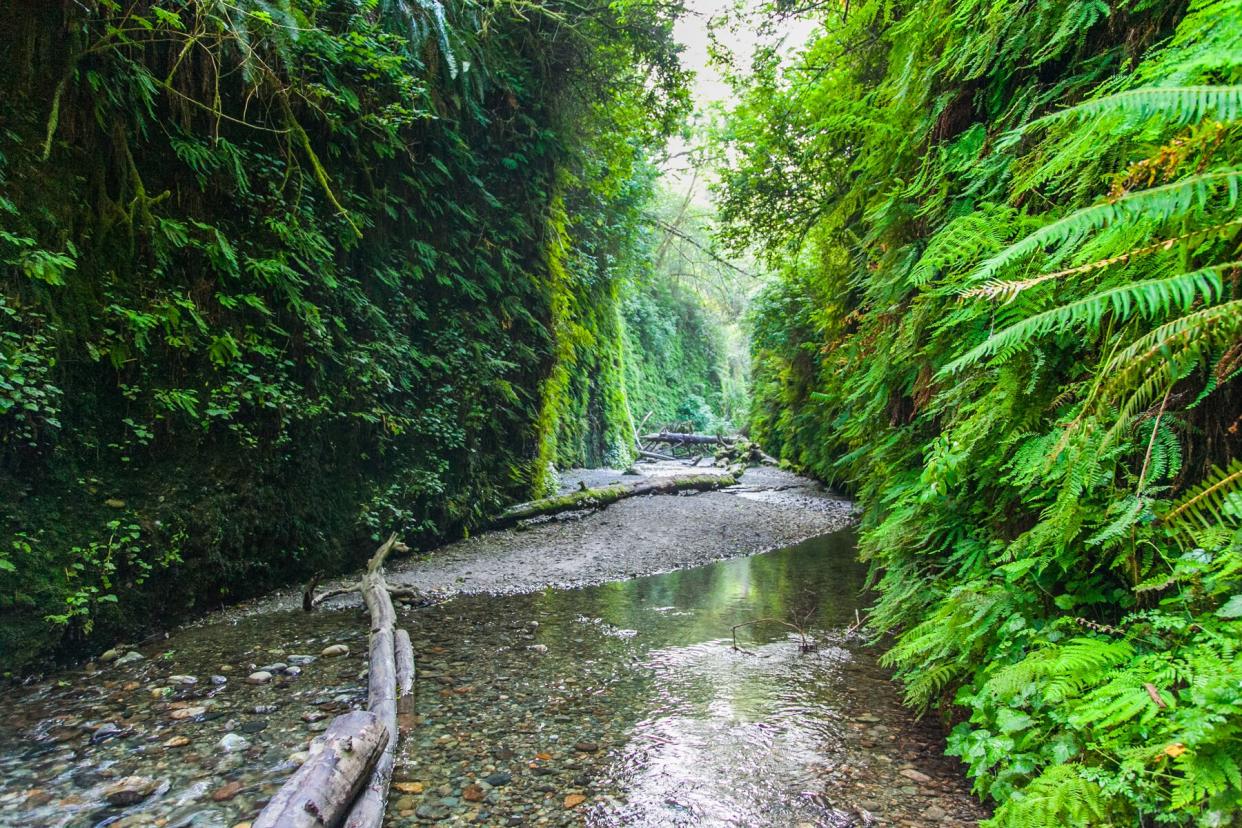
(110, 655)
(107, 731)
(408, 787)
(259, 677)
(183, 680)
(130, 658)
(538, 648)
(130, 790)
(233, 743)
(499, 778)
(311, 716)
(187, 713)
(915, 776)
(253, 727)
(265, 709)
(177, 741)
(936, 813)
(226, 792)
(219, 680)
(278, 667)
(473, 793)
(573, 801)
(334, 651)
(587, 747)
(37, 798)
(301, 660)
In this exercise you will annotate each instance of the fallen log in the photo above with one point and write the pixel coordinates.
(352, 791)
(321, 791)
(654, 455)
(606, 495)
(688, 439)
(405, 674)
(368, 810)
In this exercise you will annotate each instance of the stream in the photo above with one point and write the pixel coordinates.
(616, 704)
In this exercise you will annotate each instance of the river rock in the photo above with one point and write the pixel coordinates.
(177, 741)
(187, 713)
(574, 800)
(915, 776)
(259, 677)
(130, 790)
(335, 650)
(587, 747)
(278, 667)
(473, 793)
(183, 680)
(302, 660)
(226, 792)
(110, 655)
(233, 743)
(499, 778)
(130, 657)
(219, 680)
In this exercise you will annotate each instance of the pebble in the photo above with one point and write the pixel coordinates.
(183, 680)
(259, 677)
(499, 778)
(915, 776)
(177, 741)
(130, 658)
(226, 792)
(219, 680)
(187, 713)
(335, 650)
(232, 743)
(574, 800)
(130, 790)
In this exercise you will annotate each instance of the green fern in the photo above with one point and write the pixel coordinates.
(1155, 204)
(1147, 299)
(1175, 105)
(1060, 797)
(1202, 506)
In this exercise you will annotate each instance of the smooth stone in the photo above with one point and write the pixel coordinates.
(573, 801)
(499, 778)
(253, 727)
(232, 743)
(130, 790)
(915, 776)
(187, 713)
(130, 658)
(586, 747)
(183, 679)
(219, 680)
(278, 667)
(110, 655)
(226, 792)
(301, 659)
(259, 677)
(177, 741)
(334, 650)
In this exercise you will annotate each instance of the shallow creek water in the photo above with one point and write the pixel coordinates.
(623, 704)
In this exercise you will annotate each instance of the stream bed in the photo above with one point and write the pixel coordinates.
(620, 704)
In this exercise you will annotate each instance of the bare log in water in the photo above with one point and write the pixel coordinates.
(346, 789)
(321, 792)
(368, 811)
(599, 498)
(405, 674)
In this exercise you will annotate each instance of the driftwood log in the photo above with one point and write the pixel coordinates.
(677, 439)
(606, 495)
(346, 791)
(322, 790)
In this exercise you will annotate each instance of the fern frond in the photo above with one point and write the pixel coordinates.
(1176, 105)
(1155, 204)
(1009, 290)
(1060, 796)
(1201, 506)
(1148, 299)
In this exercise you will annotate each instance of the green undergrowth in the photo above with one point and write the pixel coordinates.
(1008, 316)
(278, 277)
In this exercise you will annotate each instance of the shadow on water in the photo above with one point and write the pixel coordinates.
(623, 704)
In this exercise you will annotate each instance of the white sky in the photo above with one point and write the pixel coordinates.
(692, 32)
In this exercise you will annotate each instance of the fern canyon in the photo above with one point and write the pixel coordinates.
(791, 413)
